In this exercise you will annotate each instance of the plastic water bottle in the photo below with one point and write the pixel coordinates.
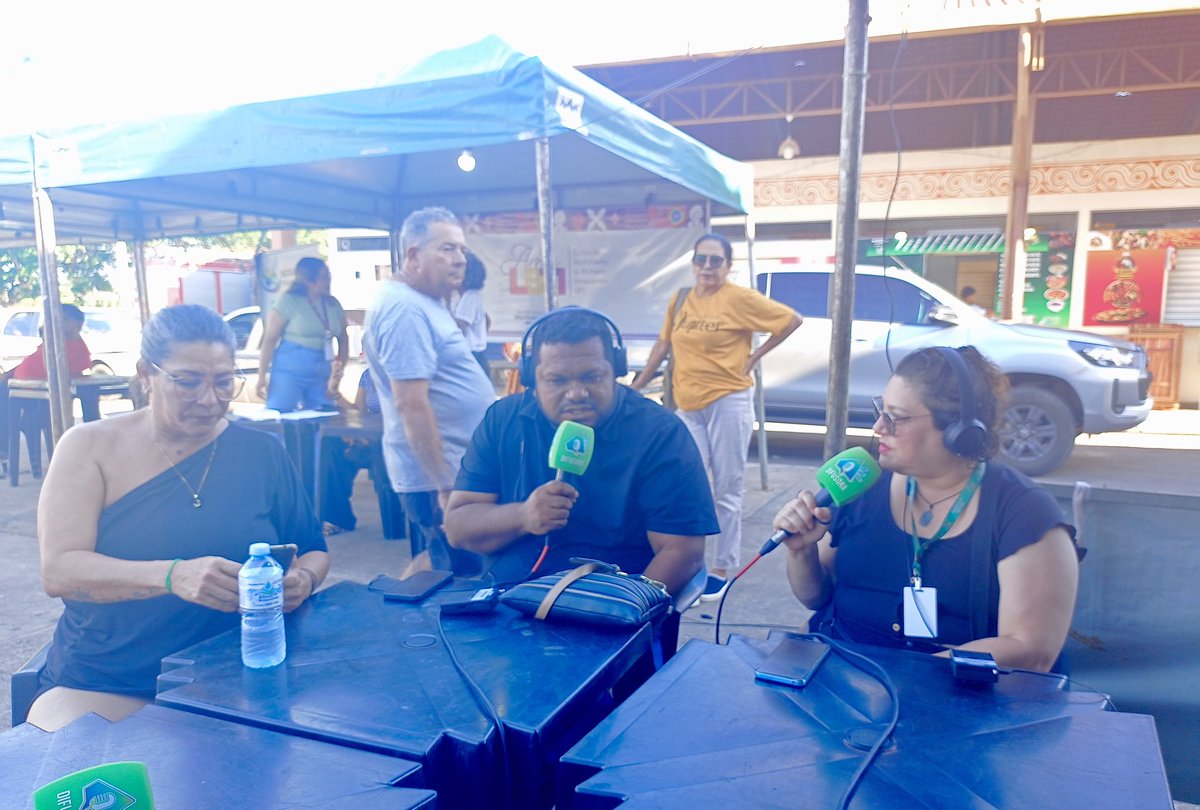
(260, 596)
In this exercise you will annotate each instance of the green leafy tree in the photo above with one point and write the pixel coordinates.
(82, 265)
(245, 240)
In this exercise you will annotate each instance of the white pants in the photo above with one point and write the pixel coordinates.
(722, 431)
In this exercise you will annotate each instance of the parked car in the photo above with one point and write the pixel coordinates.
(1063, 382)
(113, 337)
(247, 326)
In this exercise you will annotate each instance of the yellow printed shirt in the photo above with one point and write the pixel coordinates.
(710, 339)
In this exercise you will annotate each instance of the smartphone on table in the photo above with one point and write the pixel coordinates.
(284, 553)
(793, 662)
(410, 589)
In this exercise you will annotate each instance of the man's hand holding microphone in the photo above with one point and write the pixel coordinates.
(548, 508)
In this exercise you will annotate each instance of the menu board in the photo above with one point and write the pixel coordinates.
(1048, 280)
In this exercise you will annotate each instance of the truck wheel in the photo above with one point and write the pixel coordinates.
(1037, 431)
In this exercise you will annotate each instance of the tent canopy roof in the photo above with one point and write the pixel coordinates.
(366, 156)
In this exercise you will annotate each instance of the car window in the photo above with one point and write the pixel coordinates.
(242, 325)
(891, 300)
(97, 324)
(807, 293)
(22, 324)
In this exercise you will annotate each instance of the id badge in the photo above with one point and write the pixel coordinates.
(329, 354)
(920, 612)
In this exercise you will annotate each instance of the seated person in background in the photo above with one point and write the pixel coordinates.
(344, 458)
(33, 367)
(997, 565)
(145, 518)
(643, 503)
(79, 358)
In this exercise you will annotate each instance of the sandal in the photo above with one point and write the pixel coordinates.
(330, 529)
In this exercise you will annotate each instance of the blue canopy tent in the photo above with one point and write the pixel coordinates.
(363, 156)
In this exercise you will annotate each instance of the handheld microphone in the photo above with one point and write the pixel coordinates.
(571, 450)
(843, 478)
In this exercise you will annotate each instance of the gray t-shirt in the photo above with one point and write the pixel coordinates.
(410, 336)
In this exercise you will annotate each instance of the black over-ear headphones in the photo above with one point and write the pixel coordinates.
(526, 366)
(967, 436)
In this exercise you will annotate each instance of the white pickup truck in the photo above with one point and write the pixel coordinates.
(1064, 383)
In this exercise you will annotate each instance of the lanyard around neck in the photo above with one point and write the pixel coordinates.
(322, 316)
(921, 546)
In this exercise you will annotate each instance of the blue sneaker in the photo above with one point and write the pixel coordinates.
(714, 589)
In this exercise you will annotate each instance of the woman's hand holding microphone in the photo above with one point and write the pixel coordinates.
(804, 521)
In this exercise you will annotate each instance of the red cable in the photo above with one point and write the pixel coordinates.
(541, 557)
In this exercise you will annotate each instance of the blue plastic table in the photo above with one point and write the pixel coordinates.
(703, 733)
(373, 674)
(196, 761)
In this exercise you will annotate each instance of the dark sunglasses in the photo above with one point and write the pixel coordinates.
(708, 261)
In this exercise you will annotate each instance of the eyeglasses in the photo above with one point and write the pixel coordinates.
(190, 387)
(700, 260)
(890, 423)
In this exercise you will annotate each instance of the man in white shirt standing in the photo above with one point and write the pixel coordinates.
(469, 311)
(432, 391)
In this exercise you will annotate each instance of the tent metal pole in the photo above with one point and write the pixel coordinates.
(841, 290)
(760, 407)
(58, 375)
(139, 276)
(546, 219)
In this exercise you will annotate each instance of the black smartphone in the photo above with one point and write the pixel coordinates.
(483, 600)
(793, 662)
(411, 589)
(284, 553)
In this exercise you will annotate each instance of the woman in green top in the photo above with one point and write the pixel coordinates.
(299, 364)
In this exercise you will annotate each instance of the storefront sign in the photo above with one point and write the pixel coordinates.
(1048, 280)
(1125, 286)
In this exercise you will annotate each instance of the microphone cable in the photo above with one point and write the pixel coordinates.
(481, 700)
(877, 672)
(728, 588)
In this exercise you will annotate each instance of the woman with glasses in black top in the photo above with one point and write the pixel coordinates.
(950, 547)
(145, 518)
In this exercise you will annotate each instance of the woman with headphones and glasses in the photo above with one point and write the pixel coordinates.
(709, 333)
(950, 548)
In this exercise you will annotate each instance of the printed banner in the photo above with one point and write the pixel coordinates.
(1125, 286)
(625, 264)
(275, 270)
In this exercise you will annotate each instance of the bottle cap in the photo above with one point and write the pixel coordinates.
(260, 549)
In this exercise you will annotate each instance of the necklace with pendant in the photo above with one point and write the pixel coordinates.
(927, 516)
(195, 492)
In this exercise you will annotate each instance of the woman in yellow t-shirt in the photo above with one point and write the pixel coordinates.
(711, 335)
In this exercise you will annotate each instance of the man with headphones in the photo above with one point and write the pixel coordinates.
(432, 391)
(643, 502)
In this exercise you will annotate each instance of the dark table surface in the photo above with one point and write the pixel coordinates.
(1026, 741)
(373, 674)
(196, 761)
